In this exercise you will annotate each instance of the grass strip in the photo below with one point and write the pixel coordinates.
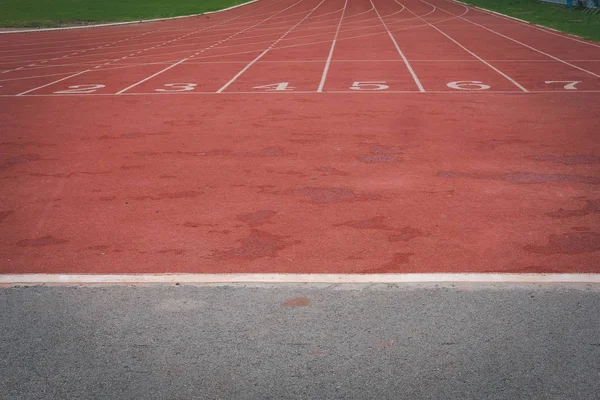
(578, 21)
(57, 13)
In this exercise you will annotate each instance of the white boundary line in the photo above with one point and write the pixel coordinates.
(565, 35)
(328, 62)
(151, 48)
(251, 63)
(504, 15)
(152, 76)
(75, 279)
(303, 92)
(289, 46)
(124, 23)
(522, 21)
(518, 42)
(517, 84)
(412, 72)
(208, 48)
(52, 83)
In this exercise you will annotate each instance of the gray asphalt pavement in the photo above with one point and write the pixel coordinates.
(300, 342)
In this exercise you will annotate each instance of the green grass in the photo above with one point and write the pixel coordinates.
(51, 13)
(574, 21)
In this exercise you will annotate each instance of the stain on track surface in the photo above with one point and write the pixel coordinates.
(209, 196)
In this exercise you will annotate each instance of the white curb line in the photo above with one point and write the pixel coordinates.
(518, 19)
(124, 23)
(77, 279)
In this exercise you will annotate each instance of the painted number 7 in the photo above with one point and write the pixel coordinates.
(570, 85)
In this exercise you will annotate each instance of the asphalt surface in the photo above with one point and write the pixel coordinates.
(300, 342)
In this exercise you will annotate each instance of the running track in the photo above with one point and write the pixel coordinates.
(301, 136)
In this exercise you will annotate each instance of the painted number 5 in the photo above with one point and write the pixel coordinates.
(468, 85)
(372, 85)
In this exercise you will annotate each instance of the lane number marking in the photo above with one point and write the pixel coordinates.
(468, 85)
(177, 87)
(570, 85)
(276, 87)
(81, 89)
(370, 85)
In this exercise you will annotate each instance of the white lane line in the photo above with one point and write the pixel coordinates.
(150, 48)
(34, 77)
(368, 61)
(151, 76)
(73, 52)
(302, 92)
(494, 12)
(206, 48)
(52, 83)
(125, 23)
(301, 37)
(412, 72)
(523, 44)
(70, 72)
(360, 13)
(76, 279)
(326, 69)
(251, 63)
(517, 84)
(12, 70)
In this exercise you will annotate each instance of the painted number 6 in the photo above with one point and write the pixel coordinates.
(468, 85)
(372, 85)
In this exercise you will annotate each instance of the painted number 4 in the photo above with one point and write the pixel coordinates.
(276, 87)
(570, 85)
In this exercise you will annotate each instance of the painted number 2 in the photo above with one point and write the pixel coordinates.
(80, 89)
(468, 85)
(371, 85)
(570, 85)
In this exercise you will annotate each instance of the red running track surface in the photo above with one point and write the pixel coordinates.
(301, 136)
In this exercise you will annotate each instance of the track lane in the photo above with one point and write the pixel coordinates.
(355, 182)
(346, 71)
(88, 55)
(211, 77)
(246, 77)
(467, 75)
(279, 70)
(113, 82)
(478, 36)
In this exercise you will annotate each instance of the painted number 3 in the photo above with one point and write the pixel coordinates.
(177, 87)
